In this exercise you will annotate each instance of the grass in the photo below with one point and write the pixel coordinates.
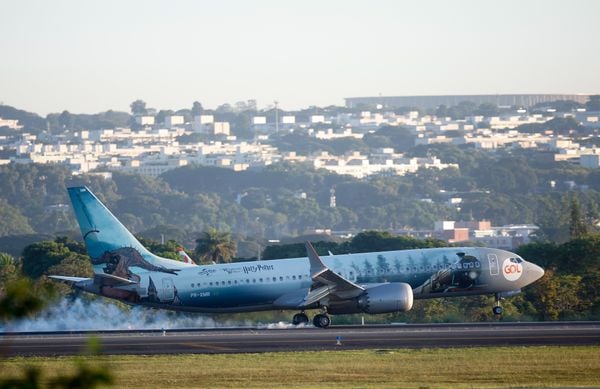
(398, 368)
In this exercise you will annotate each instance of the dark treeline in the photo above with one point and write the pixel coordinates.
(292, 200)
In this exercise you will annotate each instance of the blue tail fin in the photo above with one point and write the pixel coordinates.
(105, 237)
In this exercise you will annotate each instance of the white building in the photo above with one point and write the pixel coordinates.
(288, 119)
(317, 119)
(221, 128)
(13, 124)
(259, 120)
(174, 120)
(145, 120)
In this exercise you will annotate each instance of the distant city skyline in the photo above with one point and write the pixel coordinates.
(87, 57)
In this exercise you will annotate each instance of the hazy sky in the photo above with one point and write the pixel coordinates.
(90, 56)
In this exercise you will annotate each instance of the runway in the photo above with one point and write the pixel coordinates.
(251, 340)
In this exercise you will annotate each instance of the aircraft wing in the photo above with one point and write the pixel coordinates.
(326, 282)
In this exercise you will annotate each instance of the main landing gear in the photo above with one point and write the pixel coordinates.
(300, 318)
(320, 320)
(497, 309)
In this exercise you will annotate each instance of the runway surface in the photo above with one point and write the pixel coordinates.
(247, 340)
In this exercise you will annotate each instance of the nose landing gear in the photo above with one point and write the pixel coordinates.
(497, 309)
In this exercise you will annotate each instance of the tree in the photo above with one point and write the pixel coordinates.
(39, 257)
(297, 250)
(593, 103)
(65, 120)
(9, 270)
(577, 226)
(581, 255)
(138, 107)
(18, 299)
(556, 296)
(384, 241)
(488, 109)
(215, 246)
(162, 114)
(197, 108)
(544, 254)
(12, 221)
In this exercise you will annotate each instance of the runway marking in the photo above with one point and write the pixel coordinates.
(206, 346)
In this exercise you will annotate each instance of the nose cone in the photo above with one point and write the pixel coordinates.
(534, 272)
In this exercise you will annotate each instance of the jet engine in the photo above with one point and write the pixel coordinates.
(392, 297)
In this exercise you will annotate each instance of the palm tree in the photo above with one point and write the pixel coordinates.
(8, 270)
(6, 260)
(215, 247)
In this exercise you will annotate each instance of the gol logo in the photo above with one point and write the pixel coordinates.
(512, 271)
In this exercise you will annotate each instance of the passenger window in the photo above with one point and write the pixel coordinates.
(280, 278)
(293, 277)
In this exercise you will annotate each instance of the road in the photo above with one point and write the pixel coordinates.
(246, 340)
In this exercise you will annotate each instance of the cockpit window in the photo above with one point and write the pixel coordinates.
(516, 260)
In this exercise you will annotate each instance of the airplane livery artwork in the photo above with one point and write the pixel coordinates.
(377, 282)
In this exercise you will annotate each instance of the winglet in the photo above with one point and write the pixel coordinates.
(325, 281)
(316, 264)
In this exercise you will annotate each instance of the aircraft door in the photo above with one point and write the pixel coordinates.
(167, 294)
(494, 265)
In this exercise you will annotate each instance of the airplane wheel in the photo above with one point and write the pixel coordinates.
(497, 310)
(299, 318)
(321, 321)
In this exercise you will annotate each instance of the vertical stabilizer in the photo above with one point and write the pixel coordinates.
(112, 248)
(100, 229)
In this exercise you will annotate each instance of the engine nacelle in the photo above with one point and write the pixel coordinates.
(393, 297)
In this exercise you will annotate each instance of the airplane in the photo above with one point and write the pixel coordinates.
(374, 282)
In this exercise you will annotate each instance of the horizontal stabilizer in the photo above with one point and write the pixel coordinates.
(70, 279)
